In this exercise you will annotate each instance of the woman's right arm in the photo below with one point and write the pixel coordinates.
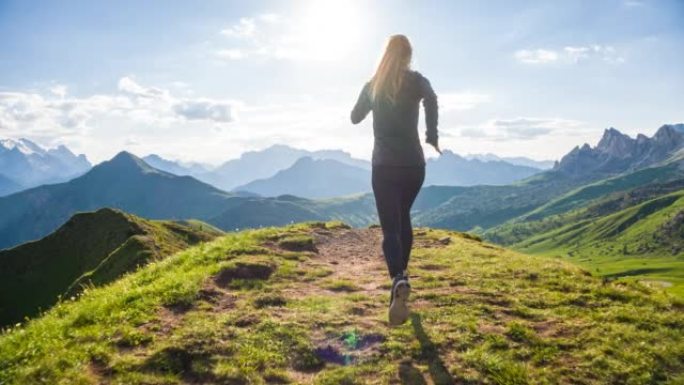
(363, 105)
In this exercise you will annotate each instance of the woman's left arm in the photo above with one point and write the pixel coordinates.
(431, 112)
(363, 105)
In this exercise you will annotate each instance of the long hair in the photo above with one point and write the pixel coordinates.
(389, 75)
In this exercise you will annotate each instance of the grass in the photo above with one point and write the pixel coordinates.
(630, 244)
(482, 314)
(91, 249)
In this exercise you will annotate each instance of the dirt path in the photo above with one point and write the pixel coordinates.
(353, 254)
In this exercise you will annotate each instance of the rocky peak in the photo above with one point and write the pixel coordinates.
(615, 143)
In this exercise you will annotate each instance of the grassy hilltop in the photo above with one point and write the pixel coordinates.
(90, 249)
(307, 304)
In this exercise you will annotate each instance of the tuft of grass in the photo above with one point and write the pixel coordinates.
(341, 285)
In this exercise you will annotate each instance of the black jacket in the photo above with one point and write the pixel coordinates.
(395, 125)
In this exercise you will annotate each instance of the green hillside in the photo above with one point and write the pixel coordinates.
(307, 304)
(587, 193)
(641, 240)
(89, 249)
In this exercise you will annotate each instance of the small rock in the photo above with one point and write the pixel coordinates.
(445, 240)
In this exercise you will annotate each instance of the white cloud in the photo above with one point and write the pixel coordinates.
(522, 128)
(135, 109)
(59, 90)
(231, 54)
(245, 28)
(204, 109)
(460, 101)
(569, 54)
(605, 53)
(536, 56)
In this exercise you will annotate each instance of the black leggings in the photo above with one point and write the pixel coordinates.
(395, 189)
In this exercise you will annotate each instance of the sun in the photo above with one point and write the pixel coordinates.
(329, 30)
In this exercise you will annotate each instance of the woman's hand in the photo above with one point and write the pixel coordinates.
(436, 146)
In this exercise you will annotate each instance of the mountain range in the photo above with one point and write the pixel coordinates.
(516, 160)
(255, 165)
(27, 165)
(276, 171)
(124, 182)
(450, 169)
(617, 152)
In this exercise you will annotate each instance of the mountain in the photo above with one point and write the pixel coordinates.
(29, 164)
(616, 152)
(128, 183)
(515, 160)
(324, 178)
(89, 249)
(124, 182)
(307, 304)
(8, 186)
(313, 178)
(484, 207)
(254, 165)
(175, 167)
(450, 169)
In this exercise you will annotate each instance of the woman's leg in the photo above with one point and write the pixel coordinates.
(414, 181)
(388, 203)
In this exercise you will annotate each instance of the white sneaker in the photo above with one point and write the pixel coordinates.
(398, 310)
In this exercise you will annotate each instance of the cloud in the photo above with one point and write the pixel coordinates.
(245, 28)
(522, 128)
(602, 52)
(53, 115)
(130, 86)
(231, 54)
(569, 55)
(460, 101)
(204, 110)
(59, 90)
(536, 56)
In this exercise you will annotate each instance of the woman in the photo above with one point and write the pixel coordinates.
(394, 94)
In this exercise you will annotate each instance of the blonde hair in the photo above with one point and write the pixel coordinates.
(389, 75)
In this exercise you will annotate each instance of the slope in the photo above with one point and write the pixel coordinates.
(307, 303)
(8, 186)
(89, 249)
(587, 193)
(642, 240)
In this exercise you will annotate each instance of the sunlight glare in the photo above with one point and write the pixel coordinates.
(329, 30)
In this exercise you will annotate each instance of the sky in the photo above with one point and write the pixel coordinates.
(208, 80)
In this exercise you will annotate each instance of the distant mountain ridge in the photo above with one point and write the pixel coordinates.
(516, 160)
(28, 165)
(314, 179)
(451, 169)
(175, 167)
(617, 152)
(8, 186)
(254, 165)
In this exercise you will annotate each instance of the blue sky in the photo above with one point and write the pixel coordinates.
(209, 80)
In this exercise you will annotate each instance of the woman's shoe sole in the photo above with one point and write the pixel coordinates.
(399, 311)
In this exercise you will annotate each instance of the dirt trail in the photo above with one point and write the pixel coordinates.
(353, 254)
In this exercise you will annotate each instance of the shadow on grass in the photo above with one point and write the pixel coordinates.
(429, 352)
